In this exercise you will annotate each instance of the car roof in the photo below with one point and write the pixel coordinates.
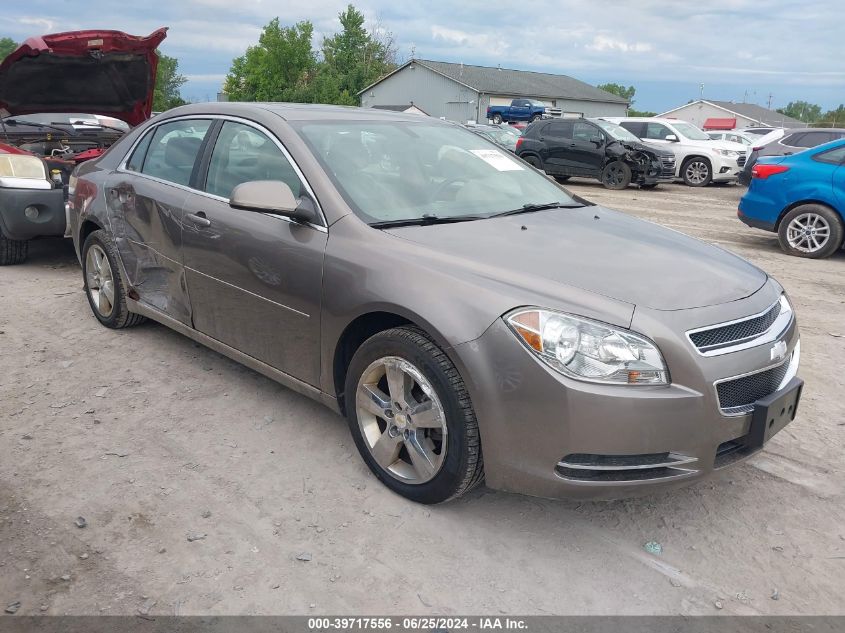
(297, 111)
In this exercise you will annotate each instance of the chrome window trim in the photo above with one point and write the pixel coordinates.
(121, 168)
(769, 335)
(791, 371)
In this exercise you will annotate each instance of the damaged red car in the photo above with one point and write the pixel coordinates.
(64, 99)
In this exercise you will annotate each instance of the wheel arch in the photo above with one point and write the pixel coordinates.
(88, 226)
(361, 328)
(795, 205)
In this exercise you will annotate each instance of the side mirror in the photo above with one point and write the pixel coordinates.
(271, 196)
(671, 137)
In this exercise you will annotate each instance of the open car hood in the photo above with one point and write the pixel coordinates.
(99, 72)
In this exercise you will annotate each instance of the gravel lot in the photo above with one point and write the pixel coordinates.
(153, 438)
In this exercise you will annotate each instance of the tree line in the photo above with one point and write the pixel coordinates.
(283, 65)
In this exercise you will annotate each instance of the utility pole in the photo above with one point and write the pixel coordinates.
(701, 91)
(770, 101)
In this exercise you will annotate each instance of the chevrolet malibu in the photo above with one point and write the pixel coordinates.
(469, 317)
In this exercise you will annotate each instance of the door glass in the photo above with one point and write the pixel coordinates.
(173, 150)
(243, 154)
(835, 156)
(584, 132)
(136, 161)
(657, 131)
(560, 129)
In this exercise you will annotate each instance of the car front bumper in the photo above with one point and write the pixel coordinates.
(29, 213)
(532, 418)
(726, 169)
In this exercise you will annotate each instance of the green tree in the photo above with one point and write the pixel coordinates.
(354, 58)
(802, 110)
(168, 83)
(283, 66)
(832, 118)
(279, 68)
(626, 92)
(7, 45)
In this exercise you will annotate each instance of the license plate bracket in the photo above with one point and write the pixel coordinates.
(774, 412)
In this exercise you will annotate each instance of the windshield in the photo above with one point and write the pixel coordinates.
(616, 131)
(504, 138)
(400, 170)
(690, 131)
(538, 104)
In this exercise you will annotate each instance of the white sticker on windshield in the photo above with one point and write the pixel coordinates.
(496, 159)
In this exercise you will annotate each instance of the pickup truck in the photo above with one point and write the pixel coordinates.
(518, 110)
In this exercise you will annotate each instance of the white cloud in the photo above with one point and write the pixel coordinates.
(606, 43)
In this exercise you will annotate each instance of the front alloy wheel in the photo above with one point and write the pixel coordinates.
(401, 420)
(411, 417)
(696, 172)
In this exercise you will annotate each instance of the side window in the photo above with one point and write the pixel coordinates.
(243, 154)
(835, 156)
(559, 129)
(814, 139)
(584, 132)
(173, 150)
(136, 161)
(793, 140)
(657, 131)
(634, 127)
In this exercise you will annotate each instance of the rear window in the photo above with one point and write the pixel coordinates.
(835, 156)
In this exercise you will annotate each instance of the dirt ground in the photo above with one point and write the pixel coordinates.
(152, 438)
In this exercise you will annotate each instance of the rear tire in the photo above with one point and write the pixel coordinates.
(411, 417)
(534, 161)
(697, 172)
(105, 286)
(497, 119)
(812, 231)
(12, 251)
(616, 175)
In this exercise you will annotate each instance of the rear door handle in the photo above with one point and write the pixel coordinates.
(199, 219)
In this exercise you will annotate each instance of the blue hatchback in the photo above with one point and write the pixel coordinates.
(802, 198)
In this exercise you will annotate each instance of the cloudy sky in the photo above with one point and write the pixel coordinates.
(739, 49)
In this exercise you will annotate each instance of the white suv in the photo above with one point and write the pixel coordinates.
(700, 160)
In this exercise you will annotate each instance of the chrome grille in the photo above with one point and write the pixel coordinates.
(738, 396)
(732, 333)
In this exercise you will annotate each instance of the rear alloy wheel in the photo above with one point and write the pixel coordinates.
(104, 285)
(12, 251)
(411, 418)
(697, 172)
(497, 119)
(616, 175)
(811, 230)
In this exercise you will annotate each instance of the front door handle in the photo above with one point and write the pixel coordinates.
(199, 219)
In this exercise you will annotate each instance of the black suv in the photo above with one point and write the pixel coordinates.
(595, 148)
(792, 142)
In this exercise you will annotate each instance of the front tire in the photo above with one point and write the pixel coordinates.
(697, 172)
(104, 284)
(616, 175)
(811, 230)
(411, 417)
(12, 251)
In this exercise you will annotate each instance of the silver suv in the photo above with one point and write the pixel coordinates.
(699, 159)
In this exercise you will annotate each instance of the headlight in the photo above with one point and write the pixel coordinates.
(726, 152)
(23, 171)
(589, 350)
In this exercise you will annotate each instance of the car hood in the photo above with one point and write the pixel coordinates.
(101, 72)
(598, 250)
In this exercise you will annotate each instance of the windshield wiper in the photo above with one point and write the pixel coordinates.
(425, 220)
(531, 208)
(16, 122)
(98, 125)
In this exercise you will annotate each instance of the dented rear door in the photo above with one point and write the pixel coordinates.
(146, 199)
